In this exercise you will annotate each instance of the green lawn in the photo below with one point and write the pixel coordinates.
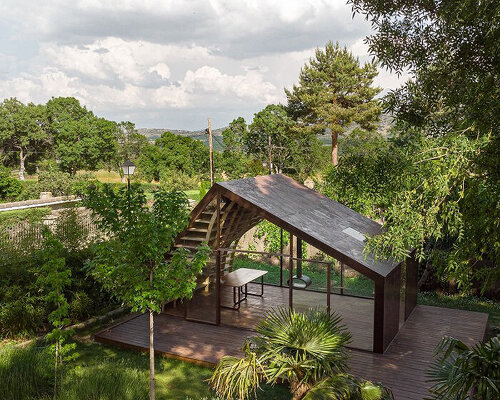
(106, 372)
(356, 285)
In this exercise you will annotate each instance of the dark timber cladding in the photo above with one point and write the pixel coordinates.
(325, 224)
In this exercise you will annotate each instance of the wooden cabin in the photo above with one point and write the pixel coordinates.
(232, 208)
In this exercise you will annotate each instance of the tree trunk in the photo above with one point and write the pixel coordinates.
(298, 390)
(151, 357)
(22, 157)
(55, 369)
(335, 148)
(425, 275)
(151, 348)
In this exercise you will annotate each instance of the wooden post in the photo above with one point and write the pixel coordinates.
(386, 310)
(270, 165)
(328, 286)
(299, 258)
(290, 274)
(341, 278)
(281, 257)
(211, 152)
(217, 263)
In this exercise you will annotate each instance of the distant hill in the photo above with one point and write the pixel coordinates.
(152, 133)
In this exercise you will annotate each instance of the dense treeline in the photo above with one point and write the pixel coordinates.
(432, 181)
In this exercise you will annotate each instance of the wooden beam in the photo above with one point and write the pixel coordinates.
(386, 310)
(217, 263)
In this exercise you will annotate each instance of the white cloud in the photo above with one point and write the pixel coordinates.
(168, 63)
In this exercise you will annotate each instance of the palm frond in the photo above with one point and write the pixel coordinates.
(238, 377)
(461, 373)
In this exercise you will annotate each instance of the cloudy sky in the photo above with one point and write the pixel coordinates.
(162, 63)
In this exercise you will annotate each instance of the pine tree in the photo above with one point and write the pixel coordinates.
(334, 91)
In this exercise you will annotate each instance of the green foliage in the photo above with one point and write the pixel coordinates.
(304, 349)
(234, 136)
(34, 215)
(272, 140)
(333, 92)
(24, 373)
(54, 278)
(177, 180)
(371, 172)
(10, 188)
(451, 108)
(130, 144)
(23, 130)
(463, 373)
(135, 269)
(272, 236)
(173, 153)
(24, 310)
(81, 140)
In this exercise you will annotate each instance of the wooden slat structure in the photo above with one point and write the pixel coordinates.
(231, 208)
(402, 367)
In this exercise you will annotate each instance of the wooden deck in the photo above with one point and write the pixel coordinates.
(356, 313)
(402, 368)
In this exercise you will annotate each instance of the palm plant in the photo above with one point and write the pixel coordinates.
(463, 373)
(307, 350)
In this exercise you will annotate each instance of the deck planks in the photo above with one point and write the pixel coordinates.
(402, 367)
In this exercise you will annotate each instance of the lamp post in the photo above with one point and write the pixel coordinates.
(128, 168)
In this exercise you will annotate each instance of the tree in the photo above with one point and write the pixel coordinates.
(272, 139)
(137, 262)
(463, 373)
(307, 350)
(269, 137)
(130, 144)
(370, 174)
(55, 277)
(334, 92)
(23, 129)
(81, 140)
(174, 153)
(450, 106)
(234, 135)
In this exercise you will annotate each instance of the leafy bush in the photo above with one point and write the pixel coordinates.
(22, 311)
(25, 373)
(10, 188)
(178, 180)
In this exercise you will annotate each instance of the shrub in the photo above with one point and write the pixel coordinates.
(10, 188)
(80, 307)
(20, 312)
(25, 373)
(178, 180)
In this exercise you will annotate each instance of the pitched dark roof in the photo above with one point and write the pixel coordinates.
(324, 223)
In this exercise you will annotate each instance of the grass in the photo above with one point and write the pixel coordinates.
(462, 302)
(103, 372)
(356, 285)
